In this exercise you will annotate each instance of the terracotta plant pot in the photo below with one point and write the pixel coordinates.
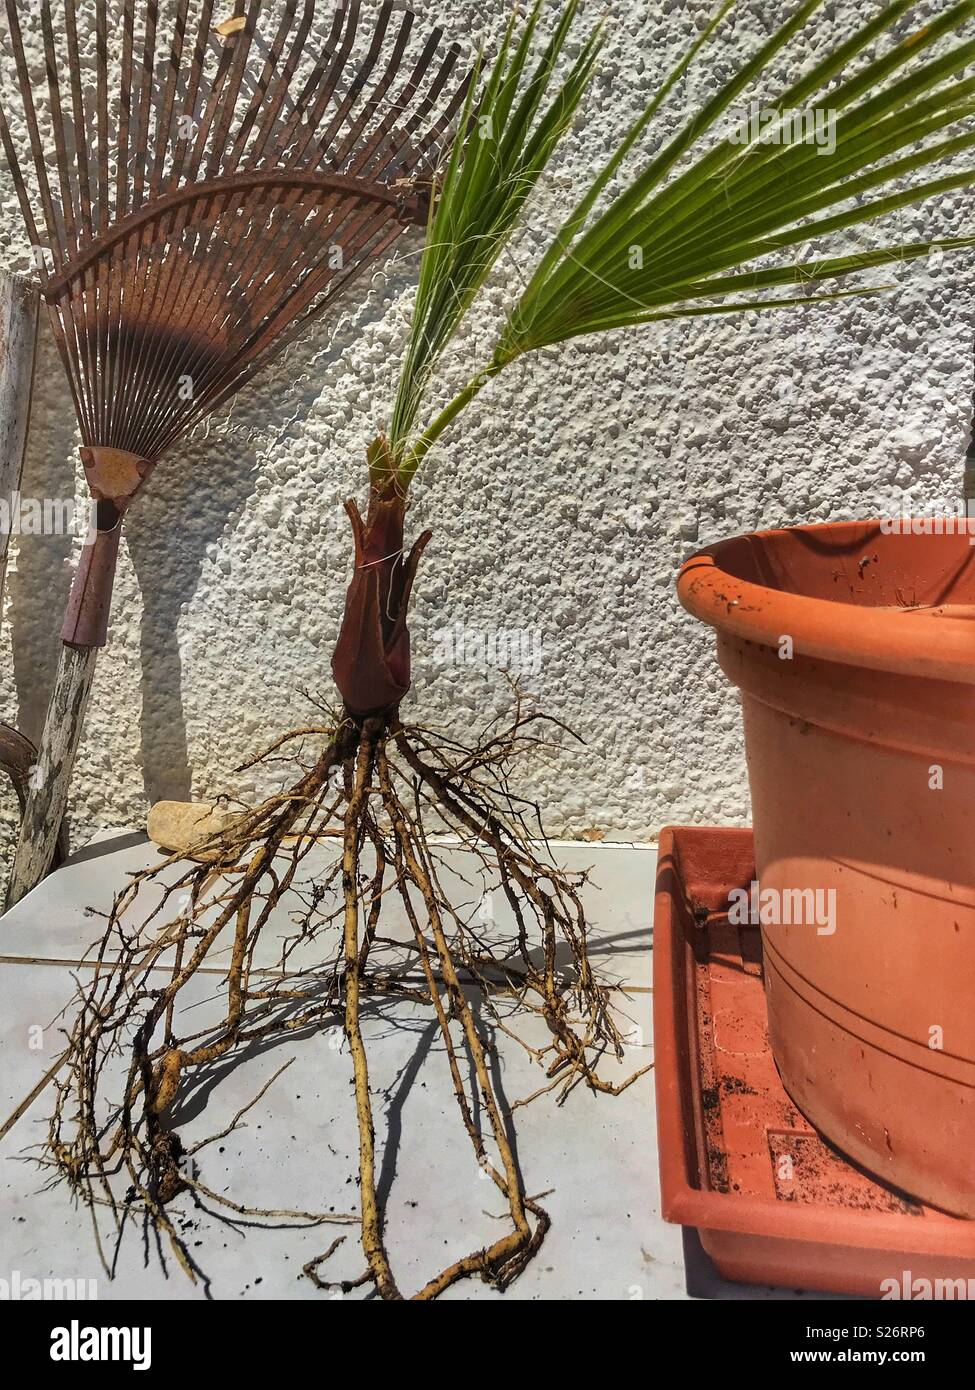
(855, 654)
(773, 1203)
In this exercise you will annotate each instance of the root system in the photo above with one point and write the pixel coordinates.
(364, 829)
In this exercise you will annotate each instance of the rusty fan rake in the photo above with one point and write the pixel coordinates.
(195, 192)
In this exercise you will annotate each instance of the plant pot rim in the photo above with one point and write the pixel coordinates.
(932, 644)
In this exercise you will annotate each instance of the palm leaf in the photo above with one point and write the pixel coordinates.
(712, 218)
(510, 137)
(702, 218)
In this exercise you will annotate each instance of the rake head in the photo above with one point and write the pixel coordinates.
(196, 189)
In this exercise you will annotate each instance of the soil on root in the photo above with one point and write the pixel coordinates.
(380, 797)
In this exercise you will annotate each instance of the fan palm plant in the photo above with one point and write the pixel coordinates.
(700, 228)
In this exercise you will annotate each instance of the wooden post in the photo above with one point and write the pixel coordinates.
(19, 307)
(51, 778)
(44, 781)
(19, 303)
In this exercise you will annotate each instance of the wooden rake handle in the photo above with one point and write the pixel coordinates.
(114, 477)
(19, 303)
(50, 781)
(90, 601)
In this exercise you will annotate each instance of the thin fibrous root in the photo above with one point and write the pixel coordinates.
(376, 818)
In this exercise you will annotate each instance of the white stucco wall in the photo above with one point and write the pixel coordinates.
(565, 502)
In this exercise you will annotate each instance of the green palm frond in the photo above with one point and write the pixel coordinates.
(738, 203)
(706, 215)
(511, 136)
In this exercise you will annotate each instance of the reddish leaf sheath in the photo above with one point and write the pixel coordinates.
(371, 661)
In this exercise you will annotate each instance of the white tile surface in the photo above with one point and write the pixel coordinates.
(595, 1156)
(64, 916)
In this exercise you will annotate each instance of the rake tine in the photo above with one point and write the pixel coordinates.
(201, 308)
(135, 342)
(27, 212)
(193, 88)
(125, 110)
(182, 145)
(56, 242)
(423, 110)
(101, 115)
(141, 140)
(228, 106)
(104, 291)
(372, 106)
(60, 338)
(282, 338)
(319, 74)
(322, 95)
(269, 331)
(399, 103)
(78, 154)
(164, 122)
(321, 141)
(163, 135)
(259, 339)
(79, 123)
(273, 68)
(177, 227)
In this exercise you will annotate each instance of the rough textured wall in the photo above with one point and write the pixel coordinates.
(564, 504)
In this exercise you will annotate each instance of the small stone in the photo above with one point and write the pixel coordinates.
(179, 825)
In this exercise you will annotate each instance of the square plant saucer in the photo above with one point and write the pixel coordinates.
(772, 1202)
